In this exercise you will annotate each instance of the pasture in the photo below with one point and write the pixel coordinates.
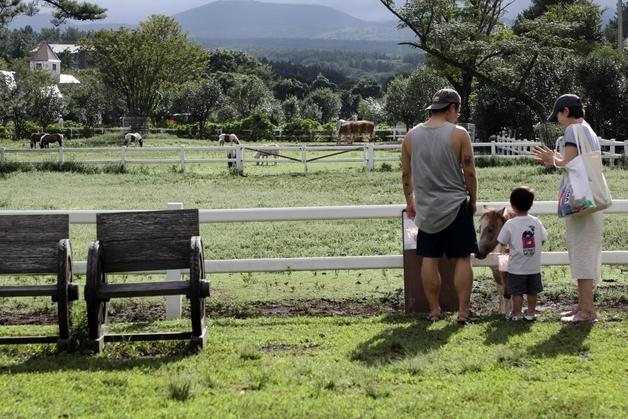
(321, 344)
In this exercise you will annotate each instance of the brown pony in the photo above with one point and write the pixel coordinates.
(36, 138)
(46, 139)
(491, 223)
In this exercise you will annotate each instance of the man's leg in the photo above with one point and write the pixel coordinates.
(463, 281)
(430, 278)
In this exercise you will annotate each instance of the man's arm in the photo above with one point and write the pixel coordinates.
(406, 176)
(467, 163)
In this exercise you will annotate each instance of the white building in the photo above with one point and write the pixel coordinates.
(45, 58)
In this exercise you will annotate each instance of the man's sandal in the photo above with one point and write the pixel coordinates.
(434, 317)
(469, 318)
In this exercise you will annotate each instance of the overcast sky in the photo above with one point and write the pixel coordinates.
(132, 11)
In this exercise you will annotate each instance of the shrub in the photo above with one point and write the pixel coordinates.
(300, 128)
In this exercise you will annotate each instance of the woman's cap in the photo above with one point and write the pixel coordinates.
(565, 101)
(444, 98)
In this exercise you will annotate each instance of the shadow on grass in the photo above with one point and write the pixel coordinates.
(116, 357)
(499, 331)
(406, 337)
(567, 341)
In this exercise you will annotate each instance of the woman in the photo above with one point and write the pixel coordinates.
(582, 232)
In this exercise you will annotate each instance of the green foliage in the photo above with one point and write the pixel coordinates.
(199, 99)
(300, 127)
(138, 63)
(256, 127)
(62, 10)
(322, 100)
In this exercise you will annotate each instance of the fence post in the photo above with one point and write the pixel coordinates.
(493, 148)
(173, 302)
(304, 157)
(240, 159)
(1, 154)
(370, 157)
(182, 159)
(123, 156)
(61, 156)
(612, 150)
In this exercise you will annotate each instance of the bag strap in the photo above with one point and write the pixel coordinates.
(583, 142)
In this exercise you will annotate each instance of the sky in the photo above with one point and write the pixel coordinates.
(125, 11)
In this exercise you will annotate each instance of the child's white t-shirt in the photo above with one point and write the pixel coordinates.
(524, 236)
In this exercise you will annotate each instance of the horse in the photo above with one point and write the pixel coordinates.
(133, 138)
(271, 150)
(35, 138)
(348, 131)
(228, 138)
(46, 139)
(491, 223)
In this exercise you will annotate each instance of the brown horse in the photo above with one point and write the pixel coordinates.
(36, 138)
(491, 223)
(46, 139)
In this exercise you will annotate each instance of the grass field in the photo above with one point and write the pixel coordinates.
(317, 344)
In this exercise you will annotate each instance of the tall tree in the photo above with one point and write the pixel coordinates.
(62, 10)
(199, 99)
(138, 63)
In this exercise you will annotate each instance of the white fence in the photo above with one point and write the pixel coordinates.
(173, 303)
(293, 154)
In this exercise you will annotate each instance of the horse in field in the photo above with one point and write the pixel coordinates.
(491, 223)
(271, 150)
(46, 139)
(228, 138)
(133, 138)
(35, 138)
(349, 131)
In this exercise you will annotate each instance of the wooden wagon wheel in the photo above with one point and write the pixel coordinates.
(198, 289)
(66, 290)
(96, 277)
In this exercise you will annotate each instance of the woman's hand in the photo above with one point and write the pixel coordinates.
(546, 155)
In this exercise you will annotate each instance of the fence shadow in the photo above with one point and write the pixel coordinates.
(405, 337)
(499, 331)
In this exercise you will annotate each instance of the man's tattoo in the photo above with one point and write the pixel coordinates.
(467, 160)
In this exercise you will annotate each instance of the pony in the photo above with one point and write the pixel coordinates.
(35, 138)
(133, 138)
(491, 223)
(228, 138)
(46, 139)
(349, 131)
(271, 150)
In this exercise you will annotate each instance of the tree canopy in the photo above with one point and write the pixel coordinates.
(62, 10)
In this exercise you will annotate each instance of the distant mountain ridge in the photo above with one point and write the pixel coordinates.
(252, 19)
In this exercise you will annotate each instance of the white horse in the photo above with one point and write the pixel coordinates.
(133, 138)
(228, 138)
(270, 150)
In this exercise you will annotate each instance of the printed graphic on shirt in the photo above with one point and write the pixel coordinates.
(527, 241)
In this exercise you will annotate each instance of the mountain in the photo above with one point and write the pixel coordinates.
(253, 19)
(42, 20)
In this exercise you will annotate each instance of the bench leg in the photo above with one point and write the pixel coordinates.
(95, 345)
(199, 342)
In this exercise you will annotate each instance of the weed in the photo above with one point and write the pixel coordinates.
(181, 388)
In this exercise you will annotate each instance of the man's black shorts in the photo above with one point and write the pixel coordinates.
(456, 240)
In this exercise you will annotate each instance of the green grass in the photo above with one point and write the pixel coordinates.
(353, 355)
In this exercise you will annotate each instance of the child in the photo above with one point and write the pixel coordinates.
(524, 235)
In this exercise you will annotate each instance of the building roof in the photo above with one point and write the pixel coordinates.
(61, 48)
(68, 79)
(45, 53)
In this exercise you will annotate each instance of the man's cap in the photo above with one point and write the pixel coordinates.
(444, 98)
(565, 101)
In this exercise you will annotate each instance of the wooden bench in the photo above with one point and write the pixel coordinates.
(142, 242)
(39, 244)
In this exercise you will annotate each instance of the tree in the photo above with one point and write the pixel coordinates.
(232, 61)
(291, 108)
(47, 105)
(407, 97)
(88, 100)
(367, 87)
(62, 10)
(371, 109)
(138, 63)
(327, 102)
(199, 99)
(249, 95)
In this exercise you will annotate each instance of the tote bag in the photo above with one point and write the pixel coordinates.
(585, 189)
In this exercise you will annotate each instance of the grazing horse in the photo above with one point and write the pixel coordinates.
(46, 139)
(271, 150)
(491, 223)
(36, 138)
(228, 138)
(133, 138)
(349, 131)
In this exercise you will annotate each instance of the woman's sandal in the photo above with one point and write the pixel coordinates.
(434, 317)
(579, 318)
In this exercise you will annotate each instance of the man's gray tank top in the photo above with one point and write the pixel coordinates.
(439, 187)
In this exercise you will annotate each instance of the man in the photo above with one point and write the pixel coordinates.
(438, 175)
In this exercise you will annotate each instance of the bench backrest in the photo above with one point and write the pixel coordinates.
(146, 240)
(28, 243)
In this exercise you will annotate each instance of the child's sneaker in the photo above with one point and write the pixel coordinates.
(515, 318)
(529, 317)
